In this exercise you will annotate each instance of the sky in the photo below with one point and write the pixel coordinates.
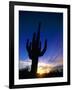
(51, 29)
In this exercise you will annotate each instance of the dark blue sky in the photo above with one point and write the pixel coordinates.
(51, 29)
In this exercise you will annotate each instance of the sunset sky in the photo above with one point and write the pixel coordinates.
(51, 29)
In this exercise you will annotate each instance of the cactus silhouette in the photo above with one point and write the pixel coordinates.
(34, 50)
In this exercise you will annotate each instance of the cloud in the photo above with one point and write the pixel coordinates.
(25, 64)
(56, 62)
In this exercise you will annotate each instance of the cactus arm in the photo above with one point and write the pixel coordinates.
(33, 40)
(38, 36)
(39, 48)
(28, 47)
(44, 49)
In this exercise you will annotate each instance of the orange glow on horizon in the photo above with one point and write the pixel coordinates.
(44, 68)
(42, 71)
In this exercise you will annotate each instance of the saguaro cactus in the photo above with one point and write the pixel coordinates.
(34, 49)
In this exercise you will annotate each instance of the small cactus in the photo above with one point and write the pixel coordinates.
(34, 49)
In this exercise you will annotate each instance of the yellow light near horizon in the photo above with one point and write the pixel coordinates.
(44, 68)
(42, 71)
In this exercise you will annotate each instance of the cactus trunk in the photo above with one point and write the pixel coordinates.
(34, 66)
